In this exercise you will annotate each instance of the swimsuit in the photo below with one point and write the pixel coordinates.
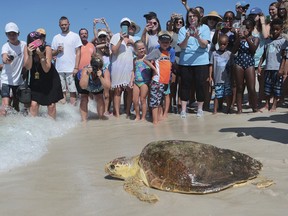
(142, 73)
(244, 58)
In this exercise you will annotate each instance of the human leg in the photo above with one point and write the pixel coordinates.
(144, 90)
(117, 101)
(136, 92)
(186, 83)
(128, 100)
(34, 108)
(239, 80)
(100, 104)
(250, 83)
(84, 107)
(52, 110)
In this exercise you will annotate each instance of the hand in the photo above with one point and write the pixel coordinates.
(99, 73)
(148, 27)
(184, 2)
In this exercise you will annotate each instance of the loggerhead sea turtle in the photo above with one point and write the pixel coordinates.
(184, 167)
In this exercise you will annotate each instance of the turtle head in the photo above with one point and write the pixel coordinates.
(122, 167)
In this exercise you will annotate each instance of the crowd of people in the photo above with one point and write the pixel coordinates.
(195, 59)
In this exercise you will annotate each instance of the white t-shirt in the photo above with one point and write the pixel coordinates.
(11, 73)
(65, 61)
(121, 63)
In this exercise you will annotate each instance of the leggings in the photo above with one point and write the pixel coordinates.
(197, 76)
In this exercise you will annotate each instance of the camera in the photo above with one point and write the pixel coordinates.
(96, 64)
(42, 48)
(11, 57)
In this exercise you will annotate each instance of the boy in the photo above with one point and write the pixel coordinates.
(159, 61)
(274, 48)
(220, 69)
(14, 53)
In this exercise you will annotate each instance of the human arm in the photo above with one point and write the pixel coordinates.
(115, 48)
(77, 60)
(185, 4)
(265, 31)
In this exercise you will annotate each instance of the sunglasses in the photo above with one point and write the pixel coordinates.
(179, 22)
(102, 36)
(212, 18)
(133, 26)
(154, 23)
(34, 34)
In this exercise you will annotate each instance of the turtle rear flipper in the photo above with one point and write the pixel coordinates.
(136, 187)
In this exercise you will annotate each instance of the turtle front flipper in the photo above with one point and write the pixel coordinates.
(136, 187)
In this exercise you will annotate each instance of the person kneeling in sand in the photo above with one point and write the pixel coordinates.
(92, 79)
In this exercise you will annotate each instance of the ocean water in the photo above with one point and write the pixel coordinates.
(24, 139)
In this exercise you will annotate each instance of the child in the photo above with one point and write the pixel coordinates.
(220, 65)
(159, 61)
(14, 55)
(142, 78)
(274, 47)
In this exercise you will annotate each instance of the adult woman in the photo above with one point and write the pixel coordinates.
(175, 24)
(44, 79)
(262, 33)
(122, 66)
(273, 11)
(92, 79)
(211, 20)
(193, 39)
(150, 33)
(246, 46)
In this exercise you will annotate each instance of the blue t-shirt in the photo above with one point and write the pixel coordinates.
(194, 54)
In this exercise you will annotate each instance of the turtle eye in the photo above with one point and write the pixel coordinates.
(112, 167)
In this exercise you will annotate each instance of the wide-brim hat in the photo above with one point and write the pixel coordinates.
(137, 27)
(211, 14)
(41, 31)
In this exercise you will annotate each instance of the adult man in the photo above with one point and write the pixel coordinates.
(14, 54)
(66, 48)
(87, 50)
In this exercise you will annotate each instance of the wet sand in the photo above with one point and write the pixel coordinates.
(70, 178)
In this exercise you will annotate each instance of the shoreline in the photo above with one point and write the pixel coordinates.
(70, 178)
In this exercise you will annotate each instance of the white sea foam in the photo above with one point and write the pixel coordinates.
(25, 139)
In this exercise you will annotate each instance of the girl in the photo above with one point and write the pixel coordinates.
(142, 77)
(246, 46)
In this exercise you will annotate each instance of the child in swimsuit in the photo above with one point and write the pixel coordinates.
(245, 46)
(142, 77)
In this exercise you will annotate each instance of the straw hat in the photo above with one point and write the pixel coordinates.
(211, 14)
(137, 27)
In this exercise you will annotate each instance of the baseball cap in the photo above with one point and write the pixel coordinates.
(102, 33)
(125, 19)
(41, 31)
(255, 10)
(164, 35)
(150, 15)
(242, 4)
(11, 27)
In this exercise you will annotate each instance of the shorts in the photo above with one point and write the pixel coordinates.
(6, 90)
(273, 83)
(67, 82)
(222, 90)
(84, 91)
(168, 90)
(156, 94)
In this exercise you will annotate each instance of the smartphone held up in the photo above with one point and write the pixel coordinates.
(36, 43)
(124, 29)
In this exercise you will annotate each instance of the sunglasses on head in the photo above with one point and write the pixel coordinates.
(34, 34)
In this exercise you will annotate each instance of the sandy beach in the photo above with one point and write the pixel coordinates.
(70, 179)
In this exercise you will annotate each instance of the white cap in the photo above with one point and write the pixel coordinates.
(102, 33)
(125, 19)
(11, 27)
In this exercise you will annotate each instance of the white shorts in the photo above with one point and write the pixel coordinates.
(67, 82)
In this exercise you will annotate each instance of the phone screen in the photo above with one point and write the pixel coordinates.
(124, 29)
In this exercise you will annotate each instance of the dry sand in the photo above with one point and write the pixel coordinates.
(70, 179)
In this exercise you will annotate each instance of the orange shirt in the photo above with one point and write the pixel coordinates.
(86, 53)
